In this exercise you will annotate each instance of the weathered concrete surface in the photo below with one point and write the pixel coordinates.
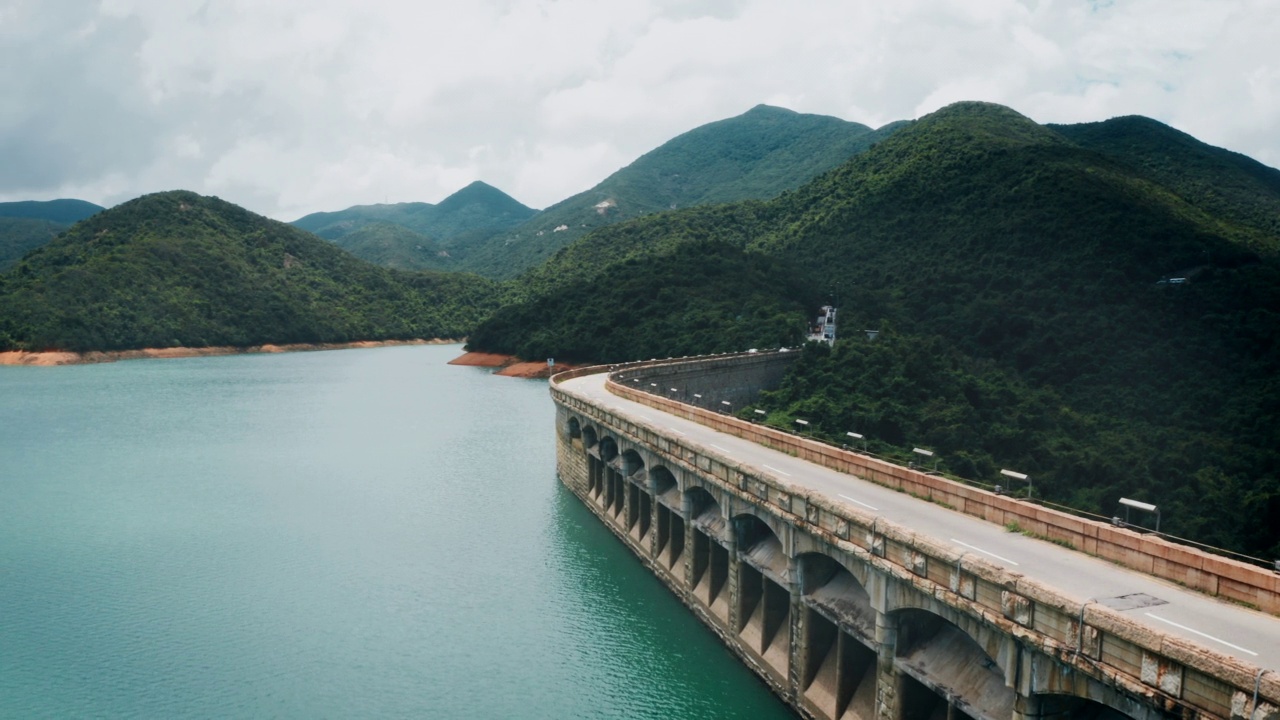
(866, 618)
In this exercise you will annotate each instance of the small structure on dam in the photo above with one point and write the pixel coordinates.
(847, 614)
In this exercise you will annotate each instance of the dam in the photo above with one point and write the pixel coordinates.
(856, 588)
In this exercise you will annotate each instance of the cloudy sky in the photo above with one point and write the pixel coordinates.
(292, 106)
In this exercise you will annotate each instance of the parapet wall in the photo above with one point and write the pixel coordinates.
(709, 382)
(1211, 574)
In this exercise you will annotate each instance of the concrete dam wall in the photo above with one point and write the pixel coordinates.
(844, 614)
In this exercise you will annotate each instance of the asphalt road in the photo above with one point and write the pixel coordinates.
(1249, 635)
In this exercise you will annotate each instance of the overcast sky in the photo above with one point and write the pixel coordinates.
(293, 106)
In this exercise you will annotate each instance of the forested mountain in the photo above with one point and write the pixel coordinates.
(756, 155)
(394, 246)
(28, 224)
(178, 269)
(1019, 277)
(64, 211)
(465, 217)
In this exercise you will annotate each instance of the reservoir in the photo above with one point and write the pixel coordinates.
(355, 533)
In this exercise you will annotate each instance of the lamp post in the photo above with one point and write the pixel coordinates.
(803, 425)
(857, 436)
(727, 407)
(761, 413)
(1018, 476)
(1139, 505)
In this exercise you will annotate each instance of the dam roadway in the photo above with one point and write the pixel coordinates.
(1245, 634)
(861, 589)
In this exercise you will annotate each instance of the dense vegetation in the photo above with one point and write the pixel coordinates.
(458, 222)
(19, 236)
(756, 155)
(394, 246)
(1018, 275)
(178, 269)
(28, 224)
(701, 298)
(65, 212)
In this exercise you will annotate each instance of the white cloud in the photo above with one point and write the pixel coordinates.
(300, 105)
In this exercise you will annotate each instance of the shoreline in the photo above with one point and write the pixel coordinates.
(509, 365)
(57, 358)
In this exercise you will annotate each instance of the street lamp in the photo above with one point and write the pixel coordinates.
(803, 424)
(728, 406)
(760, 412)
(928, 454)
(1018, 476)
(857, 436)
(1139, 505)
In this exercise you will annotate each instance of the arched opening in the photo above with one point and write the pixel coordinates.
(613, 496)
(639, 502)
(838, 675)
(575, 429)
(710, 557)
(670, 523)
(595, 466)
(946, 673)
(1066, 707)
(764, 595)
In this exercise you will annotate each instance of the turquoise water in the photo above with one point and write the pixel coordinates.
(358, 533)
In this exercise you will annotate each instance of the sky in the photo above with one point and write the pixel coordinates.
(294, 106)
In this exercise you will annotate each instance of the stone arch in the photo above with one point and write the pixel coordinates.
(1053, 705)
(838, 664)
(639, 503)
(671, 526)
(664, 482)
(608, 449)
(837, 593)
(574, 427)
(589, 437)
(709, 571)
(764, 592)
(632, 463)
(945, 665)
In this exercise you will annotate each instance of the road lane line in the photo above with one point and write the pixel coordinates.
(780, 472)
(984, 552)
(869, 507)
(1203, 635)
(717, 447)
(674, 430)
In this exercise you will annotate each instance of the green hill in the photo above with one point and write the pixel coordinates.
(178, 269)
(28, 224)
(66, 211)
(756, 155)
(474, 212)
(1015, 275)
(1219, 181)
(19, 236)
(394, 246)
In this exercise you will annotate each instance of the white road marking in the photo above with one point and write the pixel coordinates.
(780, 472)
(717, 447)
(1203, 635)
(869, 507)
(674, 430)
(984, 552)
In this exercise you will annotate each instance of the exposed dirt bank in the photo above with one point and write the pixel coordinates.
(46, 359)
(484, 359)
(511, 366)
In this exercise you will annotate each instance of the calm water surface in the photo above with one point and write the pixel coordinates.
(359, 533)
